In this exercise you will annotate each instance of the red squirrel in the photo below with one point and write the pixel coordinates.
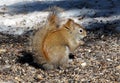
(52, 43)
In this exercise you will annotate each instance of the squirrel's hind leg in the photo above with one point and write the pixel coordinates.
(58, 58)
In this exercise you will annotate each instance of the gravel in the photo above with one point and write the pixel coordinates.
(98, 61)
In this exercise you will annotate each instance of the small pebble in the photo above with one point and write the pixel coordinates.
(2, 50)
(109, 59)
(118, 67)
(83, 64)
(39, 77)
(18, 79)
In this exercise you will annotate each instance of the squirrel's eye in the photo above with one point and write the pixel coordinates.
(80, 30)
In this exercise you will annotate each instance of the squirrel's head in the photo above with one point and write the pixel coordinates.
(75, 29)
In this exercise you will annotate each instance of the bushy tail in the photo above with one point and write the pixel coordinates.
(53, 18)
(52, 21)
(38, 38)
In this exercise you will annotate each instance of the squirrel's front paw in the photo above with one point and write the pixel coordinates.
(82, 42)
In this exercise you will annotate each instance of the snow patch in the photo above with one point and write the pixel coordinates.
(20, 16)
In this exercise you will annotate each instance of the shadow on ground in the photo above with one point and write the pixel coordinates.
(28, 58)
(99, 5)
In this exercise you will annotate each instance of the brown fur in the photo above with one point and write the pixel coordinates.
(52, 44)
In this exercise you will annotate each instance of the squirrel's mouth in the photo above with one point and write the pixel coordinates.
(83, 39)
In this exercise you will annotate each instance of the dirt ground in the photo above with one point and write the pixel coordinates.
(98, 61)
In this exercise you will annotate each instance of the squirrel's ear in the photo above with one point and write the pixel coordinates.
(69, 23)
